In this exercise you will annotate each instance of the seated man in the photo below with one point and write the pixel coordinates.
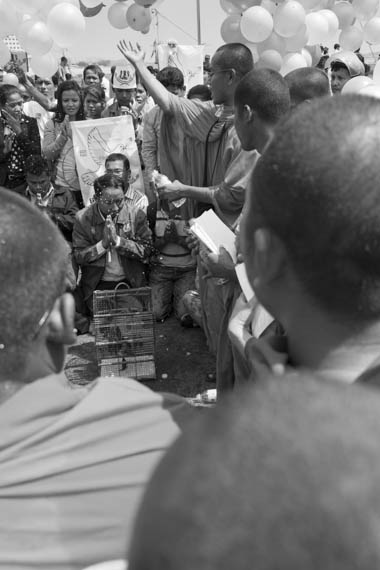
(286, 478)
(344, 66)
(111, 239)
(57, 203)
(310, 238)
(74, 461)
(307, 83)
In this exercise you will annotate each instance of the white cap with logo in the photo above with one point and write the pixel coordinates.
(124, 77)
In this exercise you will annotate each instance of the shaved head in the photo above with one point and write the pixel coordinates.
(307, 83)
(287, 476)
(316, 188)
(33, 260)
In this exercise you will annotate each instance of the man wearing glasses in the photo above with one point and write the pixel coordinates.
(111, 238)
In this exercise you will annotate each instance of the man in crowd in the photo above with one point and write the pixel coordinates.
(118, 164)
(124, 87)
(344, 66)
(286, 477)
(310, 238)
(57, 203)
(307, 83)
(111, 239)
(152, 150)
(74, 461)
(92, 74)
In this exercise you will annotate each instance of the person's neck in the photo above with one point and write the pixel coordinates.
(40, 362)
(324, 344)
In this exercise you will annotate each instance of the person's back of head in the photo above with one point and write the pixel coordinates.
(33, 259)
(201, 92)
(234, 56)
(278, 478)
(314, 190)
(171, 76)
(307, 83)
(261, 100)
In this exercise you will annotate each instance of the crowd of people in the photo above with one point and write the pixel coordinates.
(284, 471)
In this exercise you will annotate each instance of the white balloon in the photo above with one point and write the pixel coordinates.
(10, 79)
(38, 40)
(351, 38)
(289, 18)
(333, 22)
(117, 15)
(45, 65)
(365, 9)
(372, 31)
(376, 73)
(356, 84)
(229, 7)
(307, 56)
(298, 41)
(50, 4)
(292, 61)
(275, 42)
(371, 91)
(317, 27)
(270, 59)
(66, 24)
(256, 24)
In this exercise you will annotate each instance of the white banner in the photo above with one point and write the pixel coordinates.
(189, 59)
(94, 140)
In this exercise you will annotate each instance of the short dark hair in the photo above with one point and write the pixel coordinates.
(96, 90)
(307, 83)
(32, 276)
(107, 181)
(338, 66)
(235, 56)
(6, 91)
(68, 85)
(316, 188)
(200, 91)
(266, 91)
(95, 68)
(284, 476)
(37, 165)
(118, 156)
(171, 76)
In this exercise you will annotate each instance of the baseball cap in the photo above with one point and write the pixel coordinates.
(350, 60)
(124, 77)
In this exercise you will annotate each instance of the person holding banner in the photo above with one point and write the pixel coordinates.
(58, 142)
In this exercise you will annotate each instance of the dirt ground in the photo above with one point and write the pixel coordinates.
(182, 360)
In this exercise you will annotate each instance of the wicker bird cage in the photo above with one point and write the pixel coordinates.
(124, 333)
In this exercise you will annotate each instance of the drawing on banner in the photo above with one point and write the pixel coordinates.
(96, 139)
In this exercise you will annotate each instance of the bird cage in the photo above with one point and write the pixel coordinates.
(124, 333)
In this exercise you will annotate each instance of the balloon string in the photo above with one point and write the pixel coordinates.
(175, 25)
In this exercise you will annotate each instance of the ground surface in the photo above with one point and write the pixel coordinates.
(181, 354)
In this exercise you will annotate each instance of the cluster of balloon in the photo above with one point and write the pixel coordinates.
(365, 85)
(287, 34)
(42, 27)
(137, 16)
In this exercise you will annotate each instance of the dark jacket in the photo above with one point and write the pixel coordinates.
(28, 142)
(62, 209)
(134, 249)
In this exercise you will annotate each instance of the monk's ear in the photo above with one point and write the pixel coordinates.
(60, 323)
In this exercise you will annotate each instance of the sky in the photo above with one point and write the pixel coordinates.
(100, 38)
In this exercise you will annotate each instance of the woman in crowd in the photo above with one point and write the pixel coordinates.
(19, 138)
(58, 144)
(94, 101)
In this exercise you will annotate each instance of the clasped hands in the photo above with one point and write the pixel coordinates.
(109, 234)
